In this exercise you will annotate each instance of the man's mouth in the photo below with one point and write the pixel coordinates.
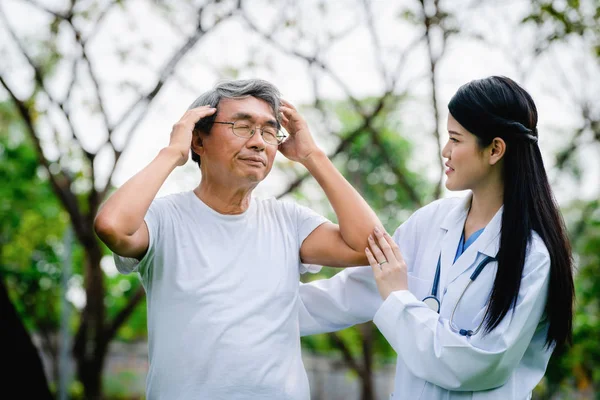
(254, 160)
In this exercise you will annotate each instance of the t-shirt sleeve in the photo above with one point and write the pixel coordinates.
(306, 222)
(126, 265)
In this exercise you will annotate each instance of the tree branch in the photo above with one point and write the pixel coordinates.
(344, 144)
(311, 60)
(47, 10)
(147, 99)
(348, 140)
(94, 80)
(350, 361)
(428, 22)
(39, 78)
(389, 160)
(125, 312)
(60, 183)
(376, 43)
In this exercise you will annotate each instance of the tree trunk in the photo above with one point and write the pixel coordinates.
(368, 386)
(90, 344)
(90, 375)
(23, 375)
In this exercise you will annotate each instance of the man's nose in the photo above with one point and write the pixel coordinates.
(257, 141)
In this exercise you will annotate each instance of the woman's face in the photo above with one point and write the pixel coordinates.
(467, 167)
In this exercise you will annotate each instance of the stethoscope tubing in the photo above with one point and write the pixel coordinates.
(433, 301)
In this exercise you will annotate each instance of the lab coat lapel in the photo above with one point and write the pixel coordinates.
(486, 245)
(453, 225)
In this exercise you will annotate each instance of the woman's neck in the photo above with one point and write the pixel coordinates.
(485, 203)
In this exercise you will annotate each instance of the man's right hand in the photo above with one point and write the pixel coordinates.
(181, 135)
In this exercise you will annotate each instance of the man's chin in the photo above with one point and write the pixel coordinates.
(255, 177)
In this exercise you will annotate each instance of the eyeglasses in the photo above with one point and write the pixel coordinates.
(244, 129)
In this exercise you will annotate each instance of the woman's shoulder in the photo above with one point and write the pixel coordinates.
(538, 255)
(439, 209)
(431, 215)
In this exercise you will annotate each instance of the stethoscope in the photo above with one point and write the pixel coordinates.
(433, 302)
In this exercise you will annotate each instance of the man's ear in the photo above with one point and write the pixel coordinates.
(197, 146)
(497, 149)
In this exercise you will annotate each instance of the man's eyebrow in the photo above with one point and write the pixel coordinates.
(243, 115)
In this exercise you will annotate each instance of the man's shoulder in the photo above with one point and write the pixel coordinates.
(282, 207)
(171, 200)
(167, 207)
(274, 204)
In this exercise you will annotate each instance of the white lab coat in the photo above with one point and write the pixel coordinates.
(434, 361)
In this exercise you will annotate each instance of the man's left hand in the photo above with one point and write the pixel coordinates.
(300, 145)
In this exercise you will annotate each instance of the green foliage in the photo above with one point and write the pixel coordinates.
(372, 163)
(32, 236)
(562, 19)
(119, 289)
(32, 225)
(579, 367)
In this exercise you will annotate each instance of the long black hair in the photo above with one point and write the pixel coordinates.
(498, 107)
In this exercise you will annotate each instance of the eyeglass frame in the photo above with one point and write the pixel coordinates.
(253, 131)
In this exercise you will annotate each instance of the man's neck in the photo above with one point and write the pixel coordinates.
(224, 199)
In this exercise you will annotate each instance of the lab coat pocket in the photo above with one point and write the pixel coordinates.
(419, 287)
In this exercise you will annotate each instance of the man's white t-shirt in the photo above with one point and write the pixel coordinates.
(221, 294)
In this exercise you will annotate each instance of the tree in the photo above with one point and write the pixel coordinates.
(49, 117)
(22, 236)
(51, 109)
(375, 161)
(80, 120)
(25, 376)
(577, 23)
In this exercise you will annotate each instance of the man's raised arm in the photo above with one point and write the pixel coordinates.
(120, 221)
(329, 244)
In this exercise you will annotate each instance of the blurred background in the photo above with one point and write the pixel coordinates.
(91, 88)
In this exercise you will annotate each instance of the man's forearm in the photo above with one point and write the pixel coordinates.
(124, 211)
(355, 217)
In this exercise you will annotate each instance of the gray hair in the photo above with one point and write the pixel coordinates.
(236, 89)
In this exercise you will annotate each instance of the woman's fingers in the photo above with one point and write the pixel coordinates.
(384, 245)
(387, 263)
(377, 253)
(373, 262)
(394, 247)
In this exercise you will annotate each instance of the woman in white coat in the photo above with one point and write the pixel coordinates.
(477, 292)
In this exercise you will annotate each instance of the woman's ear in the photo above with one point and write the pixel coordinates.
(497, 149)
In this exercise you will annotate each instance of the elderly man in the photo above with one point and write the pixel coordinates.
(220, 267)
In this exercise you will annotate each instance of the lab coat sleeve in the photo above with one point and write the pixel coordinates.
(348, 298)
(434, 352)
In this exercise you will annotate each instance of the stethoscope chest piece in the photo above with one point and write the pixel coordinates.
(433, 303)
